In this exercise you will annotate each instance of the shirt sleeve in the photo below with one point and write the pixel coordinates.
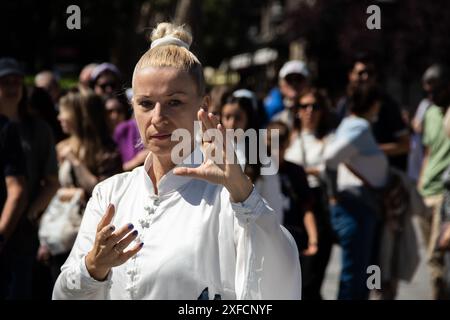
(267, 261)
(339, 151)
(74, 281)
(429, 128)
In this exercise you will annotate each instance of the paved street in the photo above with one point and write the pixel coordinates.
(418, 288)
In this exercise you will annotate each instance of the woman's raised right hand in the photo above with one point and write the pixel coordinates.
(109, 246)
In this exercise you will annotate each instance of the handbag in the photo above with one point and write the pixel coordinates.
(60, 224)
(393, 198)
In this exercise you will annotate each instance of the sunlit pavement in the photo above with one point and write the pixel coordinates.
(419, 288)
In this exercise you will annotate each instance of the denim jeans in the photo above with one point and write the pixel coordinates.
(354, 222)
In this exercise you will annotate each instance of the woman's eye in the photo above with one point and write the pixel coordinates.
(146, 104)
(174, 103)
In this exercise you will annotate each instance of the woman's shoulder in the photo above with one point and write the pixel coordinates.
(119, 181)
(62, 144)
(352, 126)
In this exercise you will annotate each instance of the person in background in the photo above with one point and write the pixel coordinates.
(128, 141)
(12, 204)
(298, 203)
(48, 81)
(238, 113)
(389, 129)
(38, 146)
(15, 262)
(293, 80)
(431, 186)
(415, 158)
(354, 156)
(86, 157)
(84, 78)
(105, 80)
(311, 134)
(273, 103)
(42, 106)
(217, 93)
(117, 110)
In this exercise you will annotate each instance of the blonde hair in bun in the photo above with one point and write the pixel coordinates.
(173, 55)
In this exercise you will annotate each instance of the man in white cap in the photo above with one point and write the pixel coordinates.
(293, 79)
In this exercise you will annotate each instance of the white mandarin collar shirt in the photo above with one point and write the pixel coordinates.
(197, 243)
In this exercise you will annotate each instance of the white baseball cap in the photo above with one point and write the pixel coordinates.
(294, 66)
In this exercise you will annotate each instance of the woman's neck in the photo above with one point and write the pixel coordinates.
(160, 166)
(308, 129)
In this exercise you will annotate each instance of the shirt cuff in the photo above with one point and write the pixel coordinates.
(87, 280)
(251, 208)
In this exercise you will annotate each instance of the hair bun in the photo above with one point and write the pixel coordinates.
(164, 29)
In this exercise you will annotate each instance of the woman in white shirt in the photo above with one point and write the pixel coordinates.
(311, 134)
(200, 229)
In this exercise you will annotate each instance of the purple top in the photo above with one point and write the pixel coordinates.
(126, 135)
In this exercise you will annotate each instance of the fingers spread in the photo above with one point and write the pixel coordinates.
(122, 244)
(206, 121)
(107, 217)
(119, 234)
(201, 115)
(105, 233)
(214, 120)
(129, 253)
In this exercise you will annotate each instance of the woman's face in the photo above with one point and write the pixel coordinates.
(66, 119)
(309, 112)
(233, 117)
(115, 112)
(11, 90)
(165, 99)
(106, 84)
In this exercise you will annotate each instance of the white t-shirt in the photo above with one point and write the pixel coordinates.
(314, 157)
(194, 238)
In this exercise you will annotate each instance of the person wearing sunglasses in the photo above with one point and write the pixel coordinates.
(312, 132)
(105, 80)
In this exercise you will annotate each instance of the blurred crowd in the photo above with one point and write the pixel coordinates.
(353, 172)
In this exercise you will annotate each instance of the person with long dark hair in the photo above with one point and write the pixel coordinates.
(311, 134)
(86, 157)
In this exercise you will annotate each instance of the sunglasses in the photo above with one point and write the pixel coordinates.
(105, 85)
(314, 106)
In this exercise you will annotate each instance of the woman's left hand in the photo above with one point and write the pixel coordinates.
(67, 154)
(218, 166)
(311, 250)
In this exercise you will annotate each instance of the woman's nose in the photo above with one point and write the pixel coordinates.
(157, 113)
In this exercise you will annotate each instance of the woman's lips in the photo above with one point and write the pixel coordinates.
(161, 136)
